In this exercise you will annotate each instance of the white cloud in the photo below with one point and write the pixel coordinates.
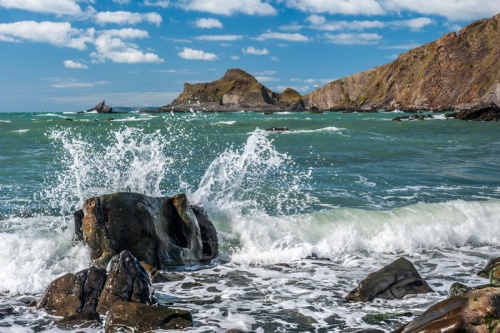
(231, 7)
(132, 98)
(74, 64)
(219, 38)
(57, 7)
(353, 39)
(253, 50)
(191, 54)
(63, 83)
(110, 45)
(122, 2)
(320, 23)
(301, 89)
(234, 57)
(158, 3)
(56, 33)
(266, 79)
(283, 36)
(408, 46)
(415, 24)
(121, 17)
(458, 10)
(346, 7)
(207, 23)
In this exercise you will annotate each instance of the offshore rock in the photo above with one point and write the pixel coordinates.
(161, 232)
(145, 318)
(394, 281)
(101, 108)
(237, 90)
(482, 112)
(127, 281)
(474, 312)
(456, 72)
(73, 293)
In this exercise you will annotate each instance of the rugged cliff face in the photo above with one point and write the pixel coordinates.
(235, 90)
(458, 71)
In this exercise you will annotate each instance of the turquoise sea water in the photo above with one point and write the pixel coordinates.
(354, 190)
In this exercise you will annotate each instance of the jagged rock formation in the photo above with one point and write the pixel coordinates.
(236, 90)
(458, 71)
(101, 108)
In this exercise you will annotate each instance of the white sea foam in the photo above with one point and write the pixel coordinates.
(143, 118)
(21, 131)
(319, 130)
(5, 121)
(228, 122)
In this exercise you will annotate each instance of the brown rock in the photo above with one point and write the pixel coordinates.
(145, 318)
(474, 312)
(80, 320)
(73, 293)
(490, 112)
(394, 281)
(485, 272)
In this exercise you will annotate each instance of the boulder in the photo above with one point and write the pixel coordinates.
(145, 318)
(474, 312)
(127, 281)
(89, 319)
(482, 112)
(163, 231)
(485, 272)
(394, 281)
(73, 293)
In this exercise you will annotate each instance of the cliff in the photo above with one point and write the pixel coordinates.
(236, 90)
(458, 71)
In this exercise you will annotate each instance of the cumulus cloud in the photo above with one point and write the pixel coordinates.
(113, 45)
(207, 23)
(74, 64)
(319, 22)
(234, 57)
(459, 10)
(346, 7)
(266, 79)
(63, 83)
(158, 3)
(224, 7)
(121, 17)
(122, 2)
(296, 37)
(253, 50)
(219, 38)
(57, 7)
(60, 34)
(353, 39)
(192, 54)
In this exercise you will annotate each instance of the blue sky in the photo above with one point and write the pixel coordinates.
(67, 55)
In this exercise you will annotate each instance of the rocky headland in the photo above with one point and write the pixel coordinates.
(459, 71)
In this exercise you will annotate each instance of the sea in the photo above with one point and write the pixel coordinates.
(303, 215)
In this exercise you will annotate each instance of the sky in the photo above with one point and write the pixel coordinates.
(68, 55)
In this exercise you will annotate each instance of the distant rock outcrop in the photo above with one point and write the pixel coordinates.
(458, 71)
(101, 108)
(236, 90)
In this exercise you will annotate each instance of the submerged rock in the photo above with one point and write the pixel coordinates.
(474, 312)
(162, 232)
(485, 272)
(145, 318)
(394, 281)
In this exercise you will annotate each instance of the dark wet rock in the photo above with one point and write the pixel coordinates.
(458, 289)
(127, 281)
(401, 118)
(89, 319)
(144, 318)
(495, 275)
(485, 272)
(101, 108)
(78, 218)
(482, 112)
(474, 312)
(278, 129)
(73, 293)
(7, 311)
(394, 281)
(69, 119)
(334, 320)
(162, 232)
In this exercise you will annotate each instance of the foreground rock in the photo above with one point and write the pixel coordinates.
(456, 72)
(101, 108)
(161, 232)
(394, 281)
(485, 272)
(145, 318)
(474, 312)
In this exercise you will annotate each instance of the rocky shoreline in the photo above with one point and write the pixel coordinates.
(132, 237)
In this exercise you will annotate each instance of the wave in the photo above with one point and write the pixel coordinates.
(21, 131)
(228, 122)
(325, 129)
